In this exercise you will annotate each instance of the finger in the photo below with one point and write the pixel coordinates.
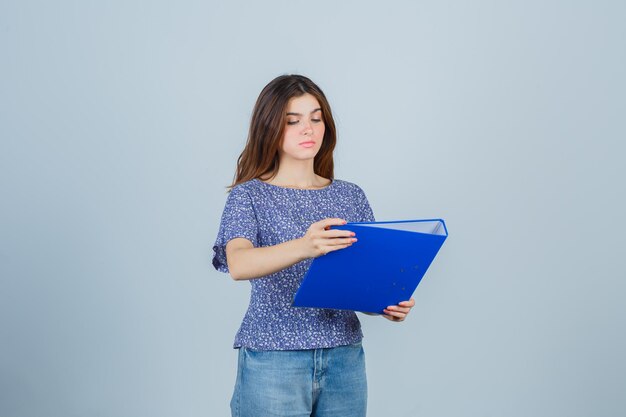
(410, 303)
(401, 307)
(326, 223)
(393, 318)
(327, 249)
(323, 244)
(337, 247)
(395, 310)
(340, 241)
(337, 233)
(398, 309)
(392, 313)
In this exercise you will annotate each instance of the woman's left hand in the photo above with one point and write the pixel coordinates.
(400, 311)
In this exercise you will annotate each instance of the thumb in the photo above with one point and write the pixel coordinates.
(327, 223)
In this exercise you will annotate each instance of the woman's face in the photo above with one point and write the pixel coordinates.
(304, 128)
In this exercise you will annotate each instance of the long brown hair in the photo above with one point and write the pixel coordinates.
(260, 155)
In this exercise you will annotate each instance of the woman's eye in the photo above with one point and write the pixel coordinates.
(293, 122)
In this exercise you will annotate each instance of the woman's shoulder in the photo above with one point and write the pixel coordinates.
(245, 187)
(241, 193)
(347, 185)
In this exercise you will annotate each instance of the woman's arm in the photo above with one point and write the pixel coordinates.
(247, 262)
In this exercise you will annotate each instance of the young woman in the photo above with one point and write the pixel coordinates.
(278, 217)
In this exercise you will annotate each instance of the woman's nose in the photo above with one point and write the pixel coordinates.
(307, 128)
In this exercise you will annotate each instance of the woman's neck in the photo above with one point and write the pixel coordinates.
(297, 174)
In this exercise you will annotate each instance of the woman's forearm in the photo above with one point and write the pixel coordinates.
(248, 263)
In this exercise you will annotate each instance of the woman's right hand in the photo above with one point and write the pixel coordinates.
(321, 239)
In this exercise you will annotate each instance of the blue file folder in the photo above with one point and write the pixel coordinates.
(382, 268)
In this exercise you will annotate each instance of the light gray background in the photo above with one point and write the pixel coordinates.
(120, 125)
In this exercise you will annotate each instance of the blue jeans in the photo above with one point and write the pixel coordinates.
(301, 383)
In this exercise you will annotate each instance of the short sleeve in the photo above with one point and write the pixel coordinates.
(238, 220)
(363, 208)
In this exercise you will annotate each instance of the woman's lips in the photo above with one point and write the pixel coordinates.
(308, 144)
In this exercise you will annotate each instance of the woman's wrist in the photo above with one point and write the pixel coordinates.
(299, 246)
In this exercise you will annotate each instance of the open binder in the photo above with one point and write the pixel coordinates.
(382, 268)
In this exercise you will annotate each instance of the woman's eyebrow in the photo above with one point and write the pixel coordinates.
(300, 114)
